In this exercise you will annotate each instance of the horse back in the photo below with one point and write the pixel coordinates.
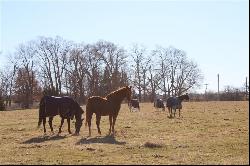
(99, 105)
(63, 106)
(174, 103)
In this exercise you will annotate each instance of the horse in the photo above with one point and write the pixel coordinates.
(66, 107)
(107, 106)
(159, 104)
(134, 103)
(175, 103)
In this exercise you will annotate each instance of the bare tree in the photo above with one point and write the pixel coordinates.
(113, 59)
(92, 68)
(140, 66)
(163, 68)
(7, 77)
(179, 73)
(23, 93)
(25, 55)
(154, 80)
(54, 57)
(76, 73)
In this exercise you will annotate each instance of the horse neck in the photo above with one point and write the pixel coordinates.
(117, 96)
(181, 98)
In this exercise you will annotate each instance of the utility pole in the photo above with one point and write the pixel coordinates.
(205, 96)
(246, 89)
(218, 87)
(206, 92)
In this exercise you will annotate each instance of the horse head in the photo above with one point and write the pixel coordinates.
(186, 96)
(79, 120)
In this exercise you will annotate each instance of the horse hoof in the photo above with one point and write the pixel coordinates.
(75, 134)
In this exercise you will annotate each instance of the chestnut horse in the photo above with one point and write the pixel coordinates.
(107, 106)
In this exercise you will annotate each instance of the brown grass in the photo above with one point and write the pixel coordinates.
(208, 133)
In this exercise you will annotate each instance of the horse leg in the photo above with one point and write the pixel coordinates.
(50, 123)
(44, 122)
(110, 123)
(170, 112)
(60, 128)
(113, 124)
(179, 112)
(98, 119)
(68, 120)
(89, 123)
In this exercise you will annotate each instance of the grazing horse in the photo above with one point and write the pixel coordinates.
(66, 107)
(159, 104)
(134, 103)
(175, 103)
(107, 106)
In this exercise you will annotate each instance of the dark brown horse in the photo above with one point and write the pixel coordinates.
(66, 107)
(175, 103)
(134, 103)
(108, 106)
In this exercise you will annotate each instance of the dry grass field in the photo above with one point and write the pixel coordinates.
(208, 133)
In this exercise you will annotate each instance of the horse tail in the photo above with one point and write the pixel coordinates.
(39, 122)
(41, 112)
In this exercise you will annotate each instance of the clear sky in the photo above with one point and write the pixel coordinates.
(213, 33)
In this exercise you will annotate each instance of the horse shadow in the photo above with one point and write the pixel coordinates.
(41, 139)
(109, 139)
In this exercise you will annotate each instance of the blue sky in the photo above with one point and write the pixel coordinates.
(213, 33)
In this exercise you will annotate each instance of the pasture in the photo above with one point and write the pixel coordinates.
(208, 133)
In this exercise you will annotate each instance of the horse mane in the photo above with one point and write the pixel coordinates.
(116, 93)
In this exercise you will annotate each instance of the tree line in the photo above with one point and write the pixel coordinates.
(228, 94)
(55, 66)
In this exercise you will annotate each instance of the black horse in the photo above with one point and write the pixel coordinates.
(134, 103)
(159, 104)
(66, 107)
(175, 103)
